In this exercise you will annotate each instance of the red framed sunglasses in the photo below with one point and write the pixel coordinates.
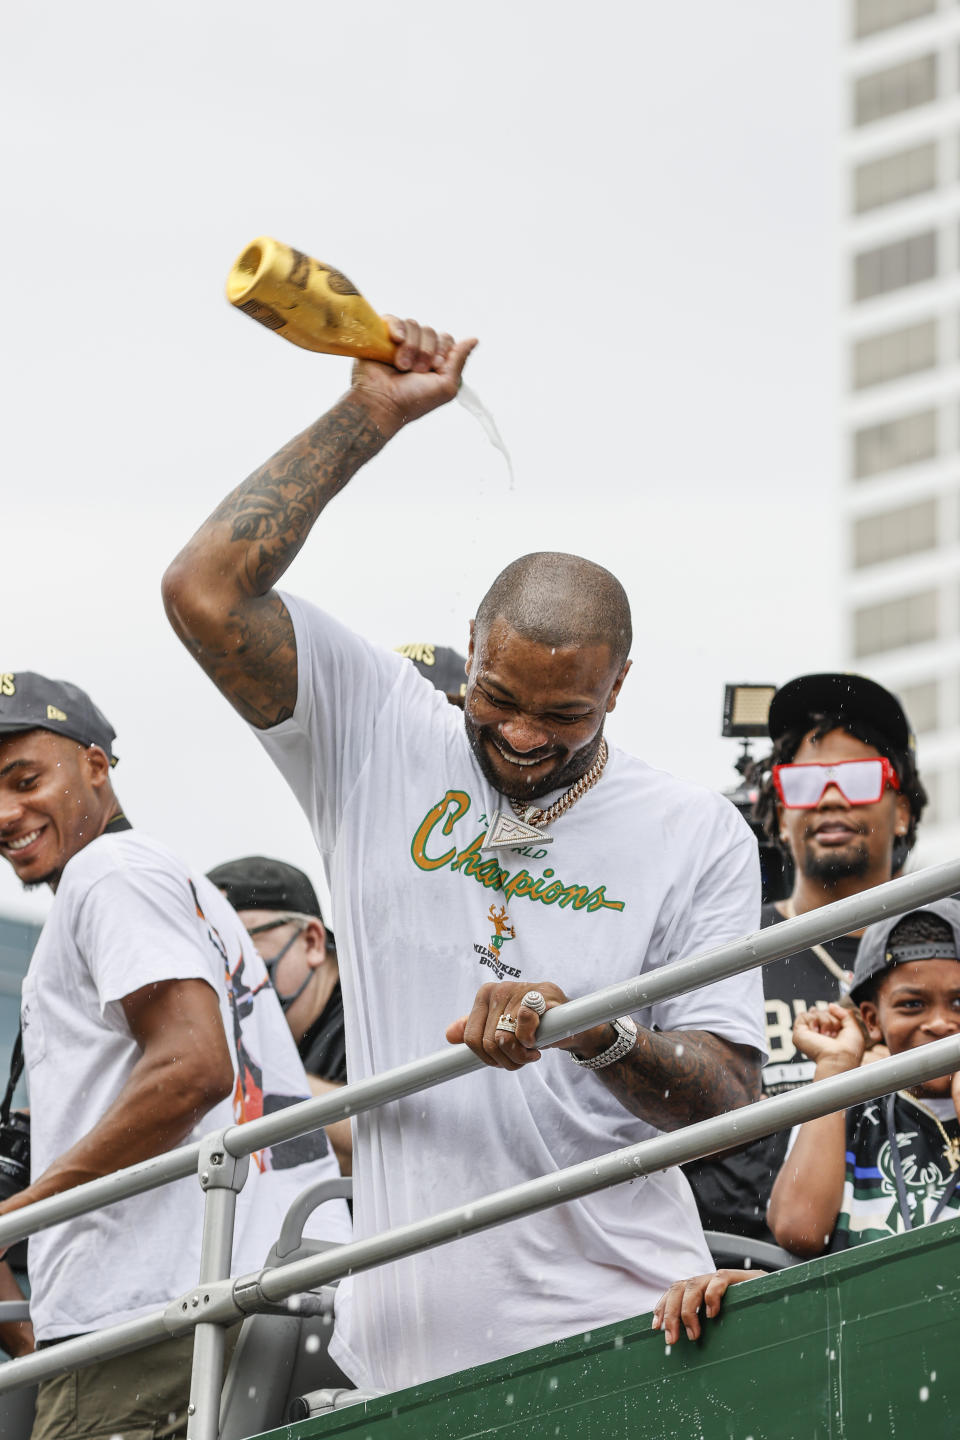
(860, 782)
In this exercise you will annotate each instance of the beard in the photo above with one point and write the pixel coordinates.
(569, 771)
(50, 879)
(851, 863)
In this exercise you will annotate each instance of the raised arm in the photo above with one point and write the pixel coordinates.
(808, 1192)
(218, 591)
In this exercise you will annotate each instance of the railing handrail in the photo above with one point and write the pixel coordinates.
(224, 1301)
(675, 1147)
(760, 948)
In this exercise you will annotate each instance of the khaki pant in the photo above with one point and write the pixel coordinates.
(140, 1396)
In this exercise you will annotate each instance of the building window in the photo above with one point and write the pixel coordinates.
(921, 702)
(895, 177)
(905, 531)
(899, 87)
(933, 784)
(891, 624)
(942, 787)
(892, 266)
(879, 358)
(894, 443)
(869, 16)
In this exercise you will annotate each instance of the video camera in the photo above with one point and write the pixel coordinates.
(14, 1154)
(745, 710)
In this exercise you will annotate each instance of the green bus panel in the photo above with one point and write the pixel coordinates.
(855, 1347)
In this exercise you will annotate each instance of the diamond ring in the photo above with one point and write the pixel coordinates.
(535, 1001)
(507, 1022)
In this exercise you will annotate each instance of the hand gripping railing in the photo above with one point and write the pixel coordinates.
(221, 1158)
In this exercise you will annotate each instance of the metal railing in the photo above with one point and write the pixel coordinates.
(221, 1159)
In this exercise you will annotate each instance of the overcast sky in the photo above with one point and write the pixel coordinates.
(633, 205)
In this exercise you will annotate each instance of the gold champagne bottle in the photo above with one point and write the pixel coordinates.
(307, 302)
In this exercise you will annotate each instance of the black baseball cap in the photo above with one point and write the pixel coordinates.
(877, 954)
(852, 697)
(444, 668)
(256, 883)
(33, 702)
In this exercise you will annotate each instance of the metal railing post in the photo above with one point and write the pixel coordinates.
(226, 1300)
(221, 1177)
(734, 957)
(529, 1197)
(218, 1300)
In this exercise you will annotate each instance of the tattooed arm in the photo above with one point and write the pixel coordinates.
(674, 1078)
(219, 593)
(671, 1078)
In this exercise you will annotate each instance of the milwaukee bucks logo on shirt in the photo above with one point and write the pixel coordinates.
(503, 931)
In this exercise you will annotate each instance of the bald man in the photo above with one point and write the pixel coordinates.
(511, 848)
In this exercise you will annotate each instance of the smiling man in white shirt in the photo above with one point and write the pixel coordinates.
(148, 1020)
(512, 848)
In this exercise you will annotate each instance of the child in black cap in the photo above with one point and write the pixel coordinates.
(891, 1164)
(885, 1166)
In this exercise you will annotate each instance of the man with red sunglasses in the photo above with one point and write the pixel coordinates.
(841, 796)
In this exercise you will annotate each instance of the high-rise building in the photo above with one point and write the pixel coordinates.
(901, 408)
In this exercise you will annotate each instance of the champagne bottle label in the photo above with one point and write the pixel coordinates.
(307, 302)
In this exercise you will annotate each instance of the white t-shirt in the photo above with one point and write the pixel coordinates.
(128, 913)
(643, 869)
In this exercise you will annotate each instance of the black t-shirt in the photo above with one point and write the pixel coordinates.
(870, 1209)
(323, 1048)
(732, 1193)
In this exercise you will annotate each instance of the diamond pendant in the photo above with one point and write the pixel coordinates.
(505, 831)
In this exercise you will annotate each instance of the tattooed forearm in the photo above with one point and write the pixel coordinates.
(271, 514)
(218, 592)
(675, 1078)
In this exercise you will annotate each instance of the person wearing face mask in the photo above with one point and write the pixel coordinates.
(841, 795)
(278, 907)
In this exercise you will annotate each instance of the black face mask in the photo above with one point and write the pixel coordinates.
(285, 1000)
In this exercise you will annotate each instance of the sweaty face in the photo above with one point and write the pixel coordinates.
(51, 802)
(534, 715)
(916, 1003)
(837, 840)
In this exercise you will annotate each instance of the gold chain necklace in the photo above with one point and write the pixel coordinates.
(951, 1146)
(533, 815)
(845, 977)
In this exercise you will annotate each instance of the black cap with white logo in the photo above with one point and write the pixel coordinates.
(33, 702)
